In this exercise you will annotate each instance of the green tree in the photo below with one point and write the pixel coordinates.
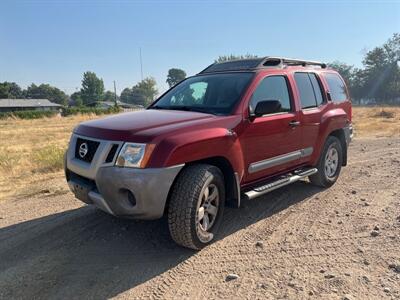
(224, 58)
(143, 93)
(92, 88)
(381, 74)
(10, 90)
(77, 98)
(175, 76)
(46, 91)
(109, 96)
(126, 96)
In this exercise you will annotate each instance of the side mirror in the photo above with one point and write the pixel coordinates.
(267, 107)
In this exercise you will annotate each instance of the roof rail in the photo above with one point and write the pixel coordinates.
(257, 63)
(284, 61)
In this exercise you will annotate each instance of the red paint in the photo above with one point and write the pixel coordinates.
(182, 137)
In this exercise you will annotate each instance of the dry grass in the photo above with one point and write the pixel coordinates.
(376, 121)
(31, 151)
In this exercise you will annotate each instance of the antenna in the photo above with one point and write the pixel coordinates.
(141, 63)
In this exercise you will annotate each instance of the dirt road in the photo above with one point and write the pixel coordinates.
(298, 242)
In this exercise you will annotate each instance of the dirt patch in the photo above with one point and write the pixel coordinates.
(295, 243)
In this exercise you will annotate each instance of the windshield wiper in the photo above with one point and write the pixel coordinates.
(183, 107)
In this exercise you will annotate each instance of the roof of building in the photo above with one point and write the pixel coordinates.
(111, 103)
(251, 64)
(27, 103)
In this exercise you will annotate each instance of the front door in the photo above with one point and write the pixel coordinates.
(272, 143)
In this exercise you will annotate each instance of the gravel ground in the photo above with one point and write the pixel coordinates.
(297, 242)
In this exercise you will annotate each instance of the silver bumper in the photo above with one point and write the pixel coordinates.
(124, 192)
(127, 192)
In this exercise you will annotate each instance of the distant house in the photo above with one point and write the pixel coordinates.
(109, 104)
(7, 105)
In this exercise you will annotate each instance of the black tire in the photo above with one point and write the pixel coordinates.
(183, 213)
(321, 178)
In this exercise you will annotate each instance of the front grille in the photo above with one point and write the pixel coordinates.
(111, 154)
(86, 152)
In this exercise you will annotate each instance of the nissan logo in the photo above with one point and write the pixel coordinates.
(83, 150)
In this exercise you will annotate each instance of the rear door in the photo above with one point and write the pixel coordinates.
(312, 106)
(270, 143)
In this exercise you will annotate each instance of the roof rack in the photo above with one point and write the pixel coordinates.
(259, 63)
(284, 61)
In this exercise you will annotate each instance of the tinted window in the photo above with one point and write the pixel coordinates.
(306, 90)
(317, 88)
(272, 88)
(336, 87)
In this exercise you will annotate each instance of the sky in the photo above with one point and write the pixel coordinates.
(56, 41)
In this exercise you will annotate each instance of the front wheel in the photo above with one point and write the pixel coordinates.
(196, 206)
(329, 164)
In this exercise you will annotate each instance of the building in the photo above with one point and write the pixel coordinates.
(110, 104)
(7, 105)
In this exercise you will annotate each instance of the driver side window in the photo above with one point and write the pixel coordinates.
(272, 88)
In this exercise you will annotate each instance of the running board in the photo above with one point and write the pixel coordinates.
(269, 187)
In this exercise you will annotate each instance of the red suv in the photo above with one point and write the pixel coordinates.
(236, 130)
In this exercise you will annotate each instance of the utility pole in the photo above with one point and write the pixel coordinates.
(141, 63)
(115, 94)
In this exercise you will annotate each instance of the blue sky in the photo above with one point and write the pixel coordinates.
(56, 41)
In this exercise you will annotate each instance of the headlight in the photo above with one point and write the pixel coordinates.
(134, 155)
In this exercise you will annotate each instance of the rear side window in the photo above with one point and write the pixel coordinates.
(317, 89)
(336, 86)
(309, 90)
(272, 88)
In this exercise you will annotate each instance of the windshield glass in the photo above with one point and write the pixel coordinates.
(215, 93)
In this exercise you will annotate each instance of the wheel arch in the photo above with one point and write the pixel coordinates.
(232, 186)
(340, 134)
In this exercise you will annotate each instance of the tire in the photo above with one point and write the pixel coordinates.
(329, 165)
(189, 213)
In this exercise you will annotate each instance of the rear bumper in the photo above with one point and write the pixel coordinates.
(126, 192)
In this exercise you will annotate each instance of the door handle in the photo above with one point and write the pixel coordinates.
(294, 123)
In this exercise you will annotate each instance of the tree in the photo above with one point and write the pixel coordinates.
(92, 88)
(77, 98)
(126, 96)
(175, 76)
(143, 93)
(10, 90)
(109, 96)
(224, 58)
(382, 72)
(46, 91)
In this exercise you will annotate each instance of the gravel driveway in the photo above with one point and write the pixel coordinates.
(297, 242)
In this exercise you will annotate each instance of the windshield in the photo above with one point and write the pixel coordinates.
(215, 93)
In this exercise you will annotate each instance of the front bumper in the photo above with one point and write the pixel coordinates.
(123, 192)
(126, 192)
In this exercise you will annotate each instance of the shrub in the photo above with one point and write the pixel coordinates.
(385, 114)
(49, 158)
(28, 114)
(69, 111)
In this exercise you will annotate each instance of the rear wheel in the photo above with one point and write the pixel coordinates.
(196, 206)
(329, 164)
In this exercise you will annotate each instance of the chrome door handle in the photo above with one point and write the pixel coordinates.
(294, 123)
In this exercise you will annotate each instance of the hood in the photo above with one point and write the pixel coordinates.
(137, 126)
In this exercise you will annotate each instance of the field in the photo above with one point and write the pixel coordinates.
(52, 246)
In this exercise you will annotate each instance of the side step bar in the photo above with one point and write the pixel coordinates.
(269, 187)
